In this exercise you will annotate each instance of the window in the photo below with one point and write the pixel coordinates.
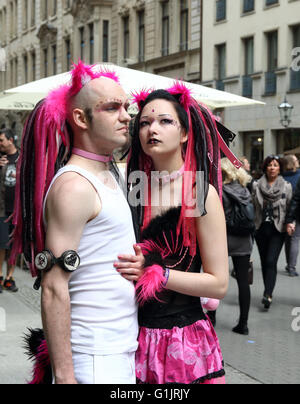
(272, 51)
(126, 37)
(11, 19)
(16, 17)
(141, 19)
(45, 57)
(249, 66)
(67, 4)
(91, 32)
(32, 24)
(220, 10)
(248, 5)
(45, 10)
(184, 24)
(270, 78)
(54, 8)
(68, 53)
(82, 42)
(16, 71)
(33, 65)
(105, 41)
(165, 28)
(221, 66)
(11, 73)
(270, 2)
(25, 14)
(25, 63)
(54, 59)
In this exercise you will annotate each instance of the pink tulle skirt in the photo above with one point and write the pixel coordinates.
(188, 355)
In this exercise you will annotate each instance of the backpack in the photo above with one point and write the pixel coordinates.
(240, 219)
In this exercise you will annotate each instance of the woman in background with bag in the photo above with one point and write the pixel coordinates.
(272, 196)
(239, 213)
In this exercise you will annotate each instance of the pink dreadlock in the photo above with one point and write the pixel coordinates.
(46, 146)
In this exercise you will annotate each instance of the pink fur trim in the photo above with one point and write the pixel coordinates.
(150, 284)
(210, 304)
(186, 99)
(41, 363)
(140, 97)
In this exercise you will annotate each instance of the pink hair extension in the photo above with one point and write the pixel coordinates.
(150, 284)
(56, 107)
(42, 361)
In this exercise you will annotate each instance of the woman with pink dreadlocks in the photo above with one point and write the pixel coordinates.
(179, 231)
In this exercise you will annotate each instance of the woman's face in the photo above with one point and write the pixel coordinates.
(273, 170)
(160, 130)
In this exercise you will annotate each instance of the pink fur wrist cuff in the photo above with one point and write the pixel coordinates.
(150, 284)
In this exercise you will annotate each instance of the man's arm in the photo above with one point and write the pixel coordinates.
(71, 203)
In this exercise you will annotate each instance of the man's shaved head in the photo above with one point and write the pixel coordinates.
(95, 92)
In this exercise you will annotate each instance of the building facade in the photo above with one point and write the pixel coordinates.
(247, 47)
(158, 36)
(251, 49)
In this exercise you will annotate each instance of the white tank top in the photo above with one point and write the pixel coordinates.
(103, 305)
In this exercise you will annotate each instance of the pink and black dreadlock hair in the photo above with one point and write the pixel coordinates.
(202, 153)
(46, 147)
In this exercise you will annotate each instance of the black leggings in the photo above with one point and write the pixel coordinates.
(269, 242)
(241, 268)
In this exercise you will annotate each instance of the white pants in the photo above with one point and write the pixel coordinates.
(104, 369)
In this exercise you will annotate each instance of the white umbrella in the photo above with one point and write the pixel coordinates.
(131, 80)
(19, 101)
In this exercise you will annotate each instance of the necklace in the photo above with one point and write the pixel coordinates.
(92, 156)
(169, 177)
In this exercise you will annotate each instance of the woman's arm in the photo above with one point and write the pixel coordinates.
(212, 240)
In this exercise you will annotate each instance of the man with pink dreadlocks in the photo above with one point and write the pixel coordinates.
(72, 219)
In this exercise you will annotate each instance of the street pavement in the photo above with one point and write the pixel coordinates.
(269, 355)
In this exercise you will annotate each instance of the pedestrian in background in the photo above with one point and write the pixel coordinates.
(240, 241)
(291, 171)
(8, 160)
(271, 195)
(292, 175)
(293, 229)
(247, 168)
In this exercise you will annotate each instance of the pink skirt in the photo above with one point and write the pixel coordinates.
(188, 355)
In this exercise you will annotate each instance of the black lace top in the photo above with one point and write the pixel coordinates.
(174, 309)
